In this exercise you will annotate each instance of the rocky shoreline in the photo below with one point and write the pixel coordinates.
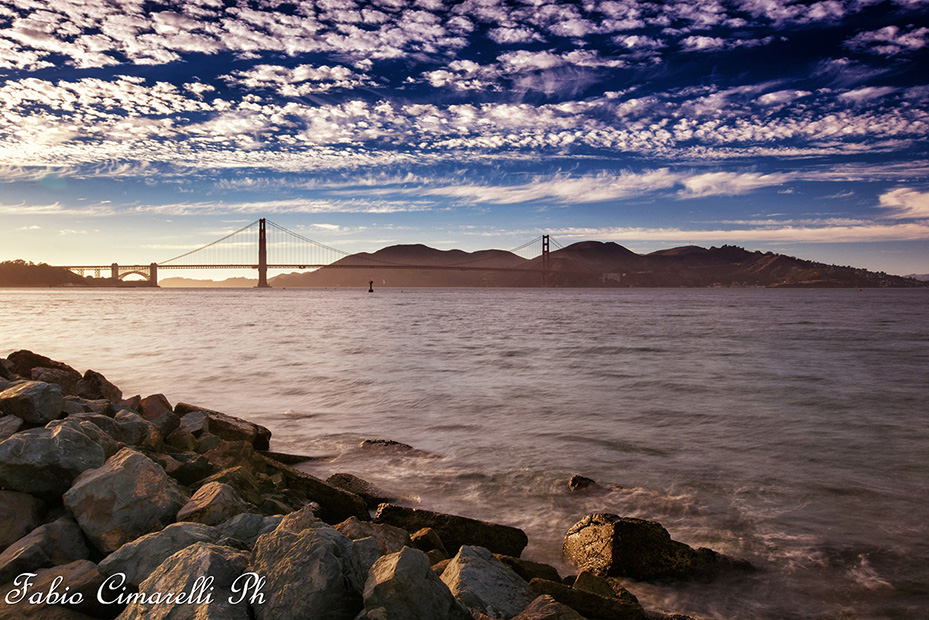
(134, 508)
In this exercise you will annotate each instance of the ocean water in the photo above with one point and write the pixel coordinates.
(787, 427)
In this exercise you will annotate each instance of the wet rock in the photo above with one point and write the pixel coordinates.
(58, 542)
(456, 531)
(579, 483)
(248, 526)
(401, 586)
(228, 427)
(288, 459)
(33, 401)
(129, 496)
(9, 425)
(103, 422)
(24, 361)
(370, 493)
(427, 539)
(65, 379)
(20, 513)
(44, 461)
(588, 604)
(544, 607)
(607, 544)
(604, 586)
(94, 386)
(182, 572)
(480, 582)
(139, 558)
(529, 570)
(154, 406)
(212, 504)
(389, 539)
(389, 446)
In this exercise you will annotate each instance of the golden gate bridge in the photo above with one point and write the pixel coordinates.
(264, 245)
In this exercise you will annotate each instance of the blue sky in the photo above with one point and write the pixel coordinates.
(131, 131)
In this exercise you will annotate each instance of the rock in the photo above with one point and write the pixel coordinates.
(44, 462)
(370, 493)
(166, 423)
(288, 459)
(129, 496)
(154, 406)
(607, 544)
(79, 577)
(588, 604)
(480, 582)
(389, 539)
(181, 440)
(208, 441)
(435, 556)
(529, 570)
(545, 607)
(248, 526)
(456, 531)
(9, 426)
(33, 401)
(439, 567)
(103, 422)
(194, 467)
(401, 586)
(6, 370)
(58, 542)
(133, 402)
(230, 428)
(20, 513)
(311, 569)
(64, 379)
(76, 404)
(579, 483)
(604, 586)
(24, 361)
(242, 480)
(134, 430)
(427, 539)
(109, 445)
(212, 504)
(182, 572)
(139, 558)
(229, 454)
(197, 422)
(94, 385)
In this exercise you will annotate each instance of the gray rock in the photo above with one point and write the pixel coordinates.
(9, 426)
(24, 361)
(529, 570)
(212, 504)
(401, 586)
(456, 531)
(20, 513)
(604, 586)
(94, 386)
(546, 608)
(139, 559)
(33, 401)
(79, 577)
(228, 427)
(389, 539)
(127, 497)
(44, 461)
(66, 380)
(427, 539)
(588, 604)
(370, 493)
(181, 573)
(196, 422)
(58, 542)
(242, 480)
(6, 371)
(109, 445)
(208, 441)
(483, 584)
(76, 404)
(181, 440)
(248, 526)
(134, 430)
(154, 406)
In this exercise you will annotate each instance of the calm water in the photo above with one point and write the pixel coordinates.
(787, 427)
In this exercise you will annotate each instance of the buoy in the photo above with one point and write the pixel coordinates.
(370, 286)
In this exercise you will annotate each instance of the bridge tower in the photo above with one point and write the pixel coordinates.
(262, 255)
(546, 281)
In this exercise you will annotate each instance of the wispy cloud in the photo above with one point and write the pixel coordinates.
(906, 203)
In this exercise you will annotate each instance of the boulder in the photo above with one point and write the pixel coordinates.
(529, 570)
(76, 404)
(480, 582)
(94, 386)
(20, 513)
(607, 544)
(248, 526)
(109, 445)
(58, 542)
(129, 496)
(103, 422)
(401, 586)
(79, 577)
(134, 430)
(24, 361)
(580, 483)
(228, 453)
(139, 559)
(230, 428)
(6, 371)
(427, 539)
(44, 461)
(604, 586)
(242, 480)
(33, 401)
(456, 531)
(154, 406)
(196, 422)
(546, 608)
(588, 604)
(133, 402)
(181, 440)
(193, 467)
(185, 571)
(212, 504)
(65, 379)
(9, 426)
(389, 539)
(370, 493)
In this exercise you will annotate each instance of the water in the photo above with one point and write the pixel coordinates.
(784, 426)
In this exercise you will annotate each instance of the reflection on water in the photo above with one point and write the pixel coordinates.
(787, 427)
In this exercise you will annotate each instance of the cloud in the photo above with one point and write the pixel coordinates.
(868, 93)
(906, 203)
(890, 40)
(729, 183)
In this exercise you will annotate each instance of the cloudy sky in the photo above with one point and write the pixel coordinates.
(133, 130)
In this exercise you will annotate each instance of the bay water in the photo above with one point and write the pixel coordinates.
(787, 427)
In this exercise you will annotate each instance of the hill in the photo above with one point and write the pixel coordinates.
(238, 282)
(21, 273)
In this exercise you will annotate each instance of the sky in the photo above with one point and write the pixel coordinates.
(132, 131)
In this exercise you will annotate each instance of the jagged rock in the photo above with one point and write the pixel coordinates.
(288, 459)
(401, 586)
(603, 586)
(103, 422)
(427, 539)
(197, 422)
(133, 402)
(139, 558)
(44, 461)
(228, 427)
(389, 539)
(134, 430)
(312, 571)
(208, 441)
(6, 370)
(24, 361)
(248, 526)
(109, 445)
(229, 453)
(456, 531)
(607, 544)
(33, 401)
(579, 483)
(181, 572)
(480, 582)
(64, 379)
(527, 569)
(129, 496)
(20, 513)
(545, 607)
(589, 604)
(58, 542)
(9, 426)
(370, 493)
(79, 577)
(242, 480)
(181, 440)
(94, 385)
(154, 406)
(212, 504)
(194, 467)
(435, 556)
(76, 404)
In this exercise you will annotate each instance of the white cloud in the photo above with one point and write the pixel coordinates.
(906, 203)
(868, 93)
(729, 183)
(890, 40)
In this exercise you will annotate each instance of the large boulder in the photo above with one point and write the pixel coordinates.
(228, 427)
(456, 531)
(401, 586)
(44, 461)
(186, 571)
(134, 430)
(109, 445)
(9, 426)
(79, 577)
(20, 513)
(24, 361)
(33, 401)
(247, 527)
(65, 379)
(389, 539)
(212, 504)
(129, 496)
(139, 559)
(589, 604)
(58, 542)
(154, 406)
(483, 584)
(544, 607)
(607, 544)
(95, 386)
(369, 492)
